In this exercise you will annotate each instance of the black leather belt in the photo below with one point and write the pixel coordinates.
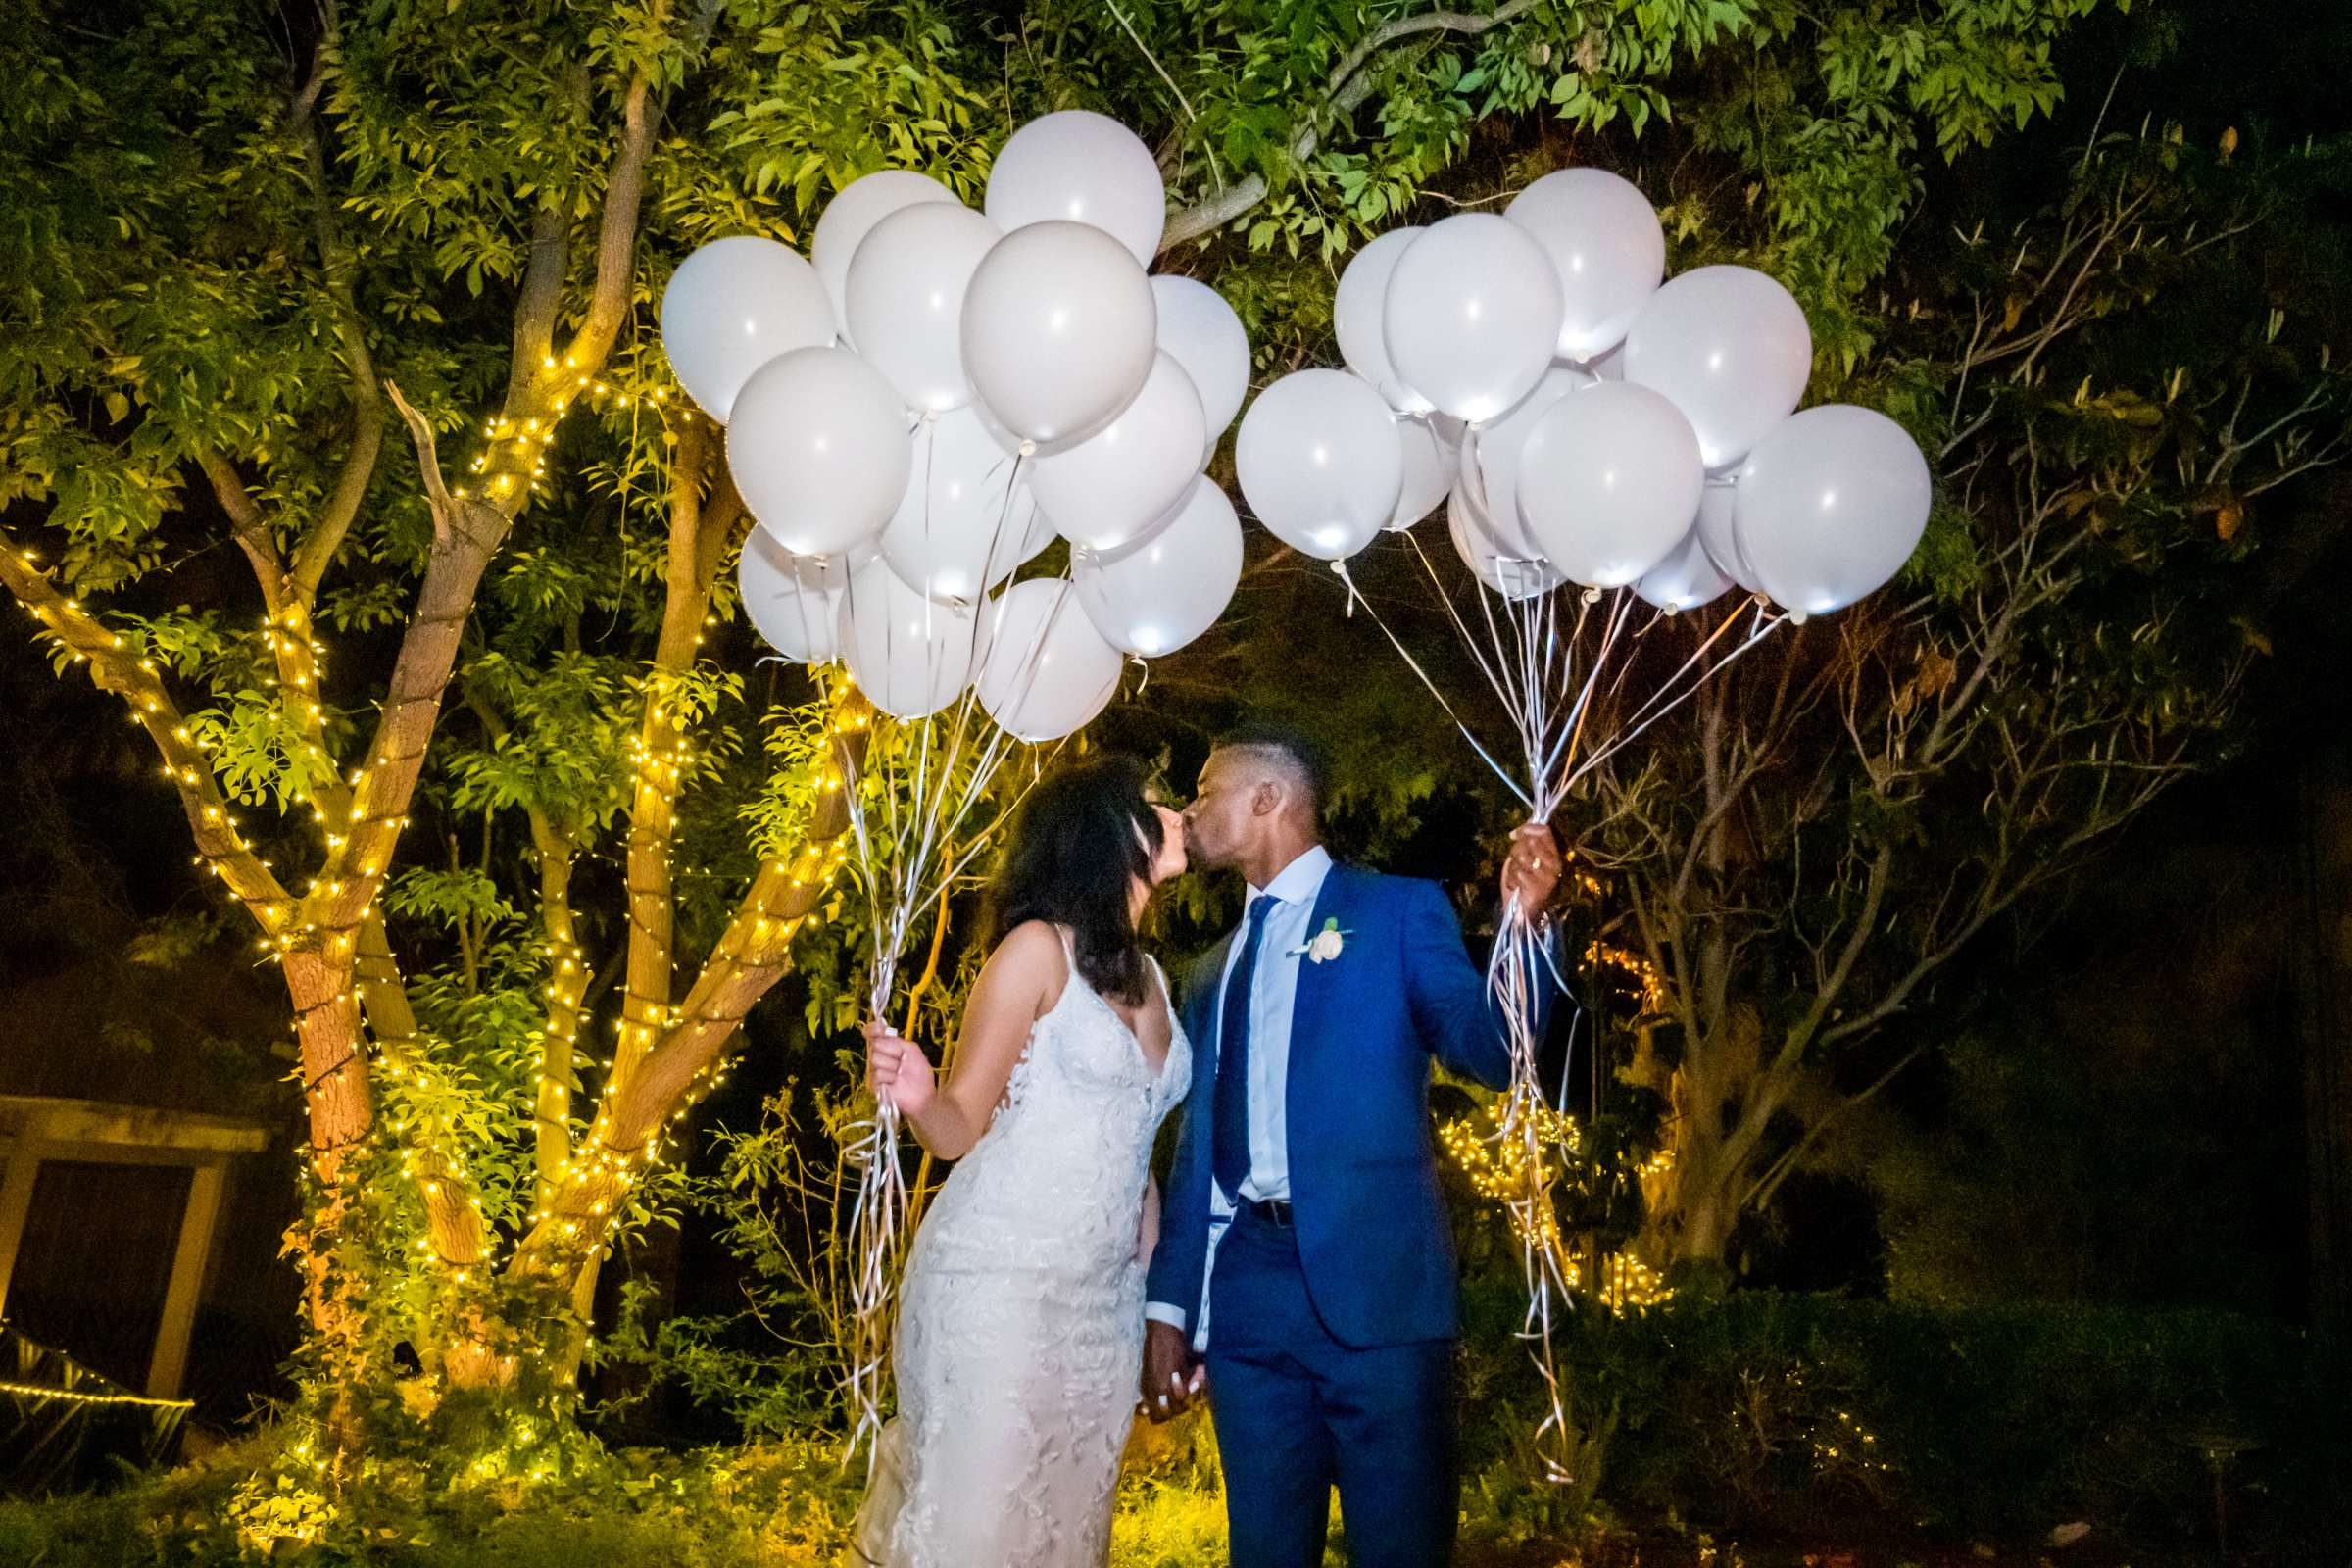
(1273, 1211)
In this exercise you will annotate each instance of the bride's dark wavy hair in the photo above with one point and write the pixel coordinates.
(1079, 842)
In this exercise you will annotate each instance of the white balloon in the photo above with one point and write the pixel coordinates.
(1831, 505)
(1319, 462)
(1489, 458)
(792, 602)
(1048, 669)
(910, 655)
(1730, 347)
(852, 214)
(1609, 366)
(965, 522)
(1429, 472)
(730, 308)
(1686, 579)
(1200, 330)
(1358, 317)
(1058, 329)
(1154, 596)
(818, 447)
(1078, 167)
(1511, 575)
(1604, 241)
(1471, 314)
(1609, 481)
(905, 299)
(1717, 535)
(1109, 489)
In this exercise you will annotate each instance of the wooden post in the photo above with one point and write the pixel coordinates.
(171, 1360)
(15, 1201)
(34, 1128)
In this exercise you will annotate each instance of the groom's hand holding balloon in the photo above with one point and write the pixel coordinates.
(896, 1070)
(1531, 869)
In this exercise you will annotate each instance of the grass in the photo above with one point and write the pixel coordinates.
(786, 1504)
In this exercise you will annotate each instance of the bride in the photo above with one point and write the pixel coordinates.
(1021, 1317)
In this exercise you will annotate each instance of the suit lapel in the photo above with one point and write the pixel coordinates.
(1310, 1002)
(1200, 1008)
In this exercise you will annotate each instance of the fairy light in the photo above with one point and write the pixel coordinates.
(358, 855)
(41, 1391)
(1518, 1172)
(1852, 1444)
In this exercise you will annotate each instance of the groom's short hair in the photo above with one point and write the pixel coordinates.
(1285, 747)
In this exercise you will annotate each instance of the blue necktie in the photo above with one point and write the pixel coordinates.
(1230, 1150)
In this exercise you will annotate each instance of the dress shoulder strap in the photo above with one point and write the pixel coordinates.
(1069, 960)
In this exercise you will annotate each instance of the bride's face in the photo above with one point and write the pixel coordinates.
(1170, 861)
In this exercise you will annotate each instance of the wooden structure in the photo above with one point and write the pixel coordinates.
(38, 1128)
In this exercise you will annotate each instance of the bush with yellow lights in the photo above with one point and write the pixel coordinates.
(1571, 1186)
(1571, 1177)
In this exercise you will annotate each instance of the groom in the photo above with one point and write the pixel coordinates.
(1306, 1251)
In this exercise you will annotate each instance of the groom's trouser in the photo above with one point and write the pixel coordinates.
(1296, 1411)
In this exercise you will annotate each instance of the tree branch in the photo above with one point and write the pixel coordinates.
(1343, 93)
(247, 526)
(660, 747)
(537, 306)
(428, 650)
(616, 238)
(286, 601)
(1761, 1190)
(567, 987)
(429, 462)
(136, 681)
(325, 538)
(1826, 995)
(751, 955)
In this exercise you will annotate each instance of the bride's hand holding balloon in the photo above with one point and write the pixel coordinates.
(896, 1070)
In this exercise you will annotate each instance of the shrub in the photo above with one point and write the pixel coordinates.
(1800, 1413)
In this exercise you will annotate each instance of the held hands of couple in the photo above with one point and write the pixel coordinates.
(898, 1071)
(1173, 1377)
(1531, 869)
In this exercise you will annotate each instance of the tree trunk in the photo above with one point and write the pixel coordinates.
(1718, 1103)
(326, 1023)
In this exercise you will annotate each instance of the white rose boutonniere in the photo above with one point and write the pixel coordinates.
(1326, 944)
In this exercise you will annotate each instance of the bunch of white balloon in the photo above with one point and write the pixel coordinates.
(917, 410)
(914, 413)
(1586, 424)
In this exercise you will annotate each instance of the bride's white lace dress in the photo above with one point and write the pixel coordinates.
(1021, 1315)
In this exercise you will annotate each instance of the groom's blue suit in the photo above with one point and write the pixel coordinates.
(1330, 1324)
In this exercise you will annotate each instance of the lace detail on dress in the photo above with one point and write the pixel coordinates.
(1021, 1316)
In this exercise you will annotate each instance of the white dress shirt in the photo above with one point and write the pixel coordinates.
(1273, 992)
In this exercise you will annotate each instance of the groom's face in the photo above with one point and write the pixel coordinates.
(1218, 823)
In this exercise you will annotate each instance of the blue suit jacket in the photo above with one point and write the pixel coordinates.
(1373, 1242)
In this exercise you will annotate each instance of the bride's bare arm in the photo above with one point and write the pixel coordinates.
(1016, 985)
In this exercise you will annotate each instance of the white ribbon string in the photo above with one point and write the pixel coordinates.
(936, 779)
(1558, 678)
